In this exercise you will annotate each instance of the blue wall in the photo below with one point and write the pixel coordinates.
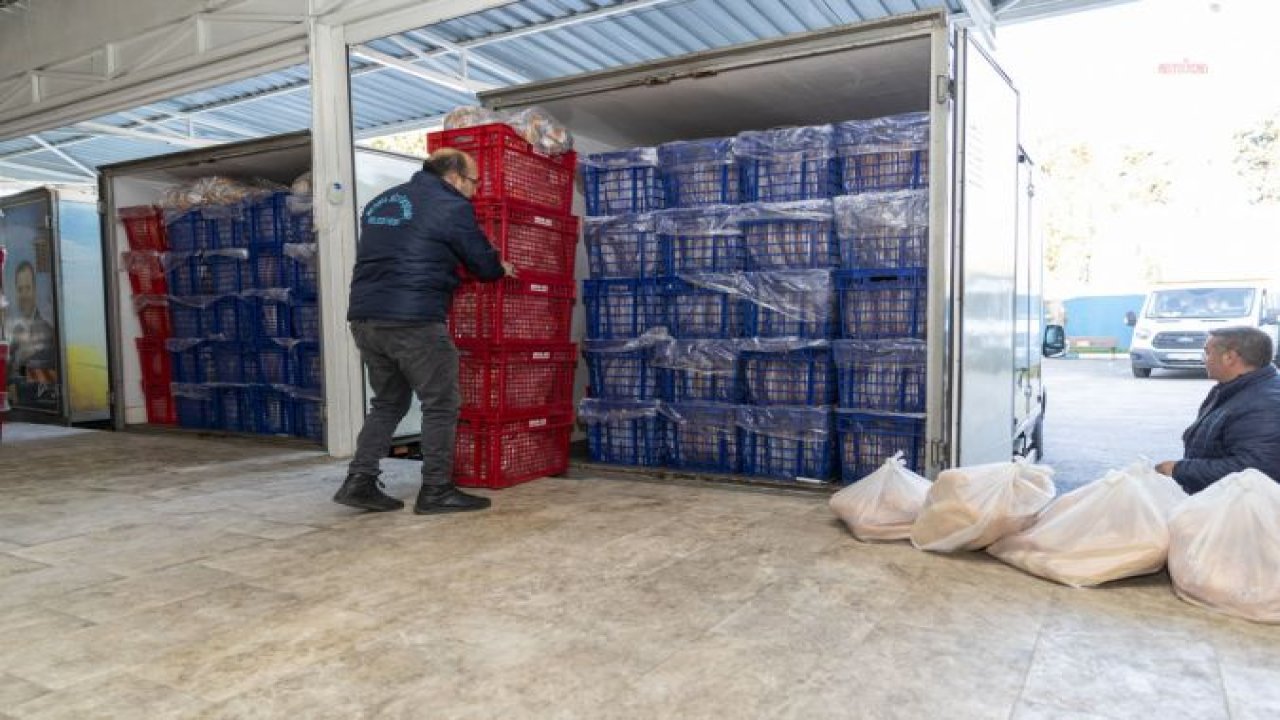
(1102, 316)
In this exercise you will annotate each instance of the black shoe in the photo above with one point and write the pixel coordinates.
(364, 492)
(433, 499)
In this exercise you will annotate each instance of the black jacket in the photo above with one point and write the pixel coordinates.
(1238, 427)
(412, 239)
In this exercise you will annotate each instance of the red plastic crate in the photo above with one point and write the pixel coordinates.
(496, 380)
(532, 238)
(160, 408)
(144, 227)
(153, 316)
(530, 308)
(499, 453)
(153, 358)
(510, 168)
(146, 272)
(4, 367)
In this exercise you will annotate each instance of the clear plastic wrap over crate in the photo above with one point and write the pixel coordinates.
(305, 253)
(689, 153)
(708, 220)
(801, 294)
(712, 357)
(595, 410)
(901, 350)
(883, 229)
(893, 132)
(632, 157)
(809, 142)
(623, 246)
(799, 424)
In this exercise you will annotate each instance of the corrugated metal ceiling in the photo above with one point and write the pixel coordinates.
(525, 41)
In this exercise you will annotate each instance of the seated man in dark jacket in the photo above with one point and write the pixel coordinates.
(1239, 422)
(412, 239)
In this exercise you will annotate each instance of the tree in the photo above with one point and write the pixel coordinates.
(1257, 160)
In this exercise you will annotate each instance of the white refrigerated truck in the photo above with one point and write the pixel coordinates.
(986, 396)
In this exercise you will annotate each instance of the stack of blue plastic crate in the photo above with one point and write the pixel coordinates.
(722, 273)
(245, 346)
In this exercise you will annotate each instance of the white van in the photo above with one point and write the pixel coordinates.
(1171, 330)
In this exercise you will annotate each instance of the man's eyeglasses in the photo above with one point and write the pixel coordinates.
(472, 180)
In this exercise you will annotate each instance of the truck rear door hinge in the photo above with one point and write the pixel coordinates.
(939, 453)
(946, 89)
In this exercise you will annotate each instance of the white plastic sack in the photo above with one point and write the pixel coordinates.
(884, 504)
(969, 508)
(1224, 547)
(1115, 527)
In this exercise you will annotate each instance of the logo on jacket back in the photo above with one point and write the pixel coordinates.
(393, 210)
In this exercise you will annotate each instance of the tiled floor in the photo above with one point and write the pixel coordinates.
(146, 576)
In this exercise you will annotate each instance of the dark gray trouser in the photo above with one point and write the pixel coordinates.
(404, 359)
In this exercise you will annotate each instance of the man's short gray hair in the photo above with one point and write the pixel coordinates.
(1252, 345)
(447, 160)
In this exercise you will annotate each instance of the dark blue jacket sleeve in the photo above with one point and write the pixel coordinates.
(468, 242)
(1252, 439)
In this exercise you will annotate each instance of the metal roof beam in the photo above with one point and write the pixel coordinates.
(983, 17)
(50, 174)
(431, 76)
(413, 50)
(89, 172)
(140, 135)
(469, 56)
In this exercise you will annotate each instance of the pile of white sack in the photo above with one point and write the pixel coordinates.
(1222, 546)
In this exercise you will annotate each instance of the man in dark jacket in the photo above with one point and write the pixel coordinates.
(412, 239)
(1239, 422)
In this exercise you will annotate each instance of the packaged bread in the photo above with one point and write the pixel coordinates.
(884, 504)
(1224, 547)
(969, 508)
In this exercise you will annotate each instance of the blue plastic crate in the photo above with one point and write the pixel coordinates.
(305, 320)
(881, 375)
(230, 318)
(789, 304)
(187, 362)
(227, 227)
(698, 371)
(620, 370)
(274, 363)
(233, 408)
(187, 232)
(271, 318)
(888, 153)
(878, 304)
(623, 433)
(308, 417)
(700, 240)
(621, 182)
(788, 443)
(625, 246)
(700, 172)
(623, 308)
(224, 273)
(187, 320)
(788, 372)
(271, 410)
(867, 439)
(268, 225)
(702, 307)
(788, 164)
(883, 230)
(307, 366)
(233, 362)
(788, 236)
(702, 437)
(182, 274)
(301, 270)
(301, 227)
(270, 271)
(194, 406)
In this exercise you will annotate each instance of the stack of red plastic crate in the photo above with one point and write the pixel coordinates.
(144, 261)
(517, 361)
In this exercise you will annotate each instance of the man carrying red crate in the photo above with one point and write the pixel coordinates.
(412, 238)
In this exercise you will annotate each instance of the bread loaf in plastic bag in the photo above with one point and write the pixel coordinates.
(884, 504)
(968, 508)
(1224, 547)
(1114, 527)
